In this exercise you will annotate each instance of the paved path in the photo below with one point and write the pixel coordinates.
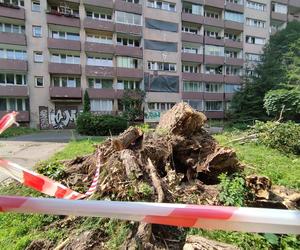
(27, 150)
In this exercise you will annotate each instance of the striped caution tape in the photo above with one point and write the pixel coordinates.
(258, 220)
(7, 121)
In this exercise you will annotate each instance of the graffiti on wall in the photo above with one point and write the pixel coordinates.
(152, 116)
(59, 118)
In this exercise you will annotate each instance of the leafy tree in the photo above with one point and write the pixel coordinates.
(86, 102)
(279, 67)
(132, 102)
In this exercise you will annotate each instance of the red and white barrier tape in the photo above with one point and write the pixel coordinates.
(7, 121)
(208, 217)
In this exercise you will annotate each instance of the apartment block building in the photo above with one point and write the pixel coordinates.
(51, 51)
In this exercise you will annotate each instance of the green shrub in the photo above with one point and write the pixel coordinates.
(233, 190)
(54, 170)
(282, 136)
(102, 125)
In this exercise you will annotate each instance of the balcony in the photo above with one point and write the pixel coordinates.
(14, 91)
(192, 95)
(129, 29)
(219, 60)
(214, 22)
(103, 3)
(64, 44)
(65, 93)
(215, 114)
(9, 64)
(130, 73)
(187, 37)
(233, 44)
(23, 116)
(59, 19)
(101, 93)
(106, 72)
(213, 96)
(129, 51)
(228, 96)
(64, 68)
(12, 12)
(233, 25)
(213, 41)
(189, 57)
(12, 38)
(215, 3)
(192, 76)
(234, 61)
(279, 16)
(128, 7)
(233, 79)
(213, 78)
(234, 7)
(93, 24)
(294, 3)
(99, 48)
(191, 18)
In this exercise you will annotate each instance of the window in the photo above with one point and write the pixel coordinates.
(66, 81)
(39, 81)
(98, 83)
(100, 16)
(126, 84)
(253, 57)
(279, 8)
(214, 87)
(105, 39)
(38, 56)
(232, 54)
(191, 8)
(211, 14)
(232, 88)
(195, 104)
(255, 40)
(12, 79)
(62, 58)
(235, 1)
(192, 86)
(128, 42)
(231, 36)
(12, 28)
(190, 68)
(100, 61)
(213, 106)
(255, 5)
(213, 70)
(128, 18)
(213, 34)
(162, 106)
(14, 104)
(101, 105)
(233, 70)
(212, 50)
(162, 66)
(127, 62)
(161, 5)
(19, 3)
(37, 31)
(190, 29)
(35, 6)
(255, 23)
(132, 1)
(13, 54)
(234, 16)
(191, 50)
(65, 35)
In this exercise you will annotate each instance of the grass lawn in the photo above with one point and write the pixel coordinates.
(15, 131)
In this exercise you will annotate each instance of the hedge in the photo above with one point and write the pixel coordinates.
(100, 125)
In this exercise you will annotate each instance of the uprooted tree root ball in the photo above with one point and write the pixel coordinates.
(178, 162)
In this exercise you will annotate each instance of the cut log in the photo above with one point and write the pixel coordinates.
(182, 119)
(200, 243)
(259, 185)
(125, 139)
(130, 162)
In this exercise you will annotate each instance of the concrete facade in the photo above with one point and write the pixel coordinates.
(193, 50)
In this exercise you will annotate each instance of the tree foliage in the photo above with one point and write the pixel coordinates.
(279, 68)
(86, 102)
(132, 102)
